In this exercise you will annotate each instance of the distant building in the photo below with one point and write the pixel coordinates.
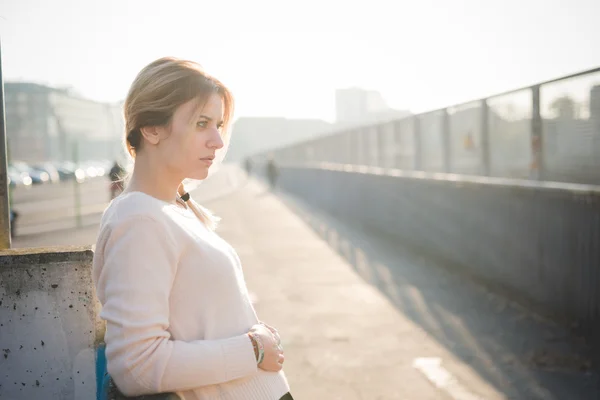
(44, 123)
(251, 135)
(355, 106)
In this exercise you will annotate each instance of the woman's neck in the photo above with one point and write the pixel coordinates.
(156, 182)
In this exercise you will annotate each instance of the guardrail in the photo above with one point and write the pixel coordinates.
(548, 131)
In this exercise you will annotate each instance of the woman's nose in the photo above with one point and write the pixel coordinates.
(215, 141)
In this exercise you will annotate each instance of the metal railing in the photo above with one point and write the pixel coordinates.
(5, 239)
(548, 131)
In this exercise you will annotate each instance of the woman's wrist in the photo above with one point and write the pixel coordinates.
(254, 345)
(259, 351)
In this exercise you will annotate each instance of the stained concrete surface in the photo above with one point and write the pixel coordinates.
(49, 324)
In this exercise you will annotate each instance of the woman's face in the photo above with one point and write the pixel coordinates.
(193, 138)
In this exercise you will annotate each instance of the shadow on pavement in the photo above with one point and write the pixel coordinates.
(522, 355)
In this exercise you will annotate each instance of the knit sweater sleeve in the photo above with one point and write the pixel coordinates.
(137, 265)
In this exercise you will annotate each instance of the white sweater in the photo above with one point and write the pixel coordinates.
(176, 306)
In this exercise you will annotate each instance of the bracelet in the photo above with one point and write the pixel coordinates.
(261, 349)
(254, 346)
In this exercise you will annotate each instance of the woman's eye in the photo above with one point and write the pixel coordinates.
(201, 124)
(220, 126)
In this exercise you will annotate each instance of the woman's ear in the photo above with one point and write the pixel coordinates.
(151, 134)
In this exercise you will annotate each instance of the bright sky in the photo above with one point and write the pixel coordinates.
(286, 58)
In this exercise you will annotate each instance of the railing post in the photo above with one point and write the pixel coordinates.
(371, 143)
(5, 240)
(373, 138)
(485, 140)
(396, 141)
(389, 133)
(537, 149)
(446, 141)
(347, 145)
(418, 162)
(382, 146)
(352, 144)
(361, 149)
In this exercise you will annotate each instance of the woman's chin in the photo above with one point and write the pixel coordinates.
(199, 175)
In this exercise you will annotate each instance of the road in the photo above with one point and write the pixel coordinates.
(51, 207)
(49, 210)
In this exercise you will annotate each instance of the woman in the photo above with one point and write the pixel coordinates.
(178, 315)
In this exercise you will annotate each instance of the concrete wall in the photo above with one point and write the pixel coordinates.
(536, 243)
(49, 325)
(50, 332)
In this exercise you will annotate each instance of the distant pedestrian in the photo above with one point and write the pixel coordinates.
(14, 216)
(272, 172)
(116, 176)
(248, 166)
(178, 314)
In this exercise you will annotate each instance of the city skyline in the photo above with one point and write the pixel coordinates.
(418, 56)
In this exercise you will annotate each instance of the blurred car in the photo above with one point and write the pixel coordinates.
(17, 178)
(68, 171)
(50, 170)
(101, 169)
(37, 177)
(90, 170)
(95, 169)
(104, 166)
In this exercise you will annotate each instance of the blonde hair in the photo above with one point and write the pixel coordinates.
(157, 91)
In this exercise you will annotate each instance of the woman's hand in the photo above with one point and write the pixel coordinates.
(273, 358)
(274, 332)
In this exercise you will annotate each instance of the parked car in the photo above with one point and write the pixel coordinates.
(37, 177)
(94, 169)
(66, 172)
(69, 171)
(17, 178)
(48, 168)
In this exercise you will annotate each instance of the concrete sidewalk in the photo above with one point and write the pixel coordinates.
(342, 338)
(363, 318)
